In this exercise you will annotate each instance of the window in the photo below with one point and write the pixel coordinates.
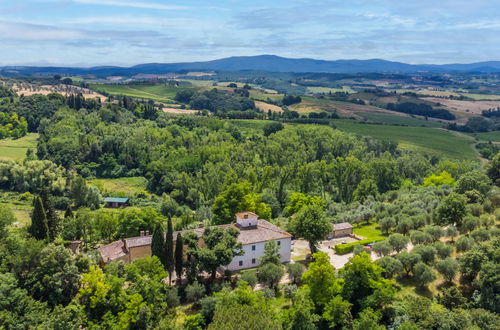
(241, 263)
(279, 243)
(253, 261)
(253, 247)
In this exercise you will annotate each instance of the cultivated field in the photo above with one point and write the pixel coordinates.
(488, 136)
(474, 107)
(317, 89)
(484, 97)
(29, 89)
(159, 93)
(264, 107)
(396, 119)
(179, 111)
(432, 140)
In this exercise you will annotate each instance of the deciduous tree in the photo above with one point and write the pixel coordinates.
(311, 224)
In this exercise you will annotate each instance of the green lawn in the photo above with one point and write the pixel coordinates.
(434, 141)
(369, 231)
(126, 187)
(16, 149)
(392, 119)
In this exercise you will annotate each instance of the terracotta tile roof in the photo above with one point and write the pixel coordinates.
(112, 251)
(242, 214)
(138, 241)
(264, 231)
(342, 226)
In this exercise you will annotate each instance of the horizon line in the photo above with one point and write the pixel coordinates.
(77, 66)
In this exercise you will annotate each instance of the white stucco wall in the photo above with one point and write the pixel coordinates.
(249, 254)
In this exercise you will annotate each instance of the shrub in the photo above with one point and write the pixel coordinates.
(194, 292)
(289, 290)
(249, 277)
(270, 274)
(208, 308)
(194, 322)
(295, 271)
(172, 297)
(464, 243)
(348, 247)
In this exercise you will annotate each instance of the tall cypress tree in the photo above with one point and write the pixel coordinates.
(179, 254)
(68, 213)
(158, 244)
(169, 249)
(51, 215)
(39, 228)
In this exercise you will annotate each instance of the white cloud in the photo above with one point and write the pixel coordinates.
(21, 31)
(133, 4)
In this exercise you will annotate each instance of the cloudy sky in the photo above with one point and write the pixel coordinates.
(127, 32)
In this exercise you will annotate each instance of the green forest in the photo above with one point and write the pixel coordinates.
(429, 258)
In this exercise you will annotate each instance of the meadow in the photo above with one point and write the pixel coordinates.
(16, 149)
(121, 187)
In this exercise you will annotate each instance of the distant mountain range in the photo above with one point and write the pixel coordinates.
(269, 63)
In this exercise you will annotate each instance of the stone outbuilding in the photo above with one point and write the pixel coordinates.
(342, 229)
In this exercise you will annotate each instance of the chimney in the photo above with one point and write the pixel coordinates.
(147, 233)
(142, 233)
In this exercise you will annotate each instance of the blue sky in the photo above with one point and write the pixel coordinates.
(127, 32)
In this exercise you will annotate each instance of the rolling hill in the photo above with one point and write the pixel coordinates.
(269, 63)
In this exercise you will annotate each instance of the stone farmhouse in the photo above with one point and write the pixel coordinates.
(254, 234)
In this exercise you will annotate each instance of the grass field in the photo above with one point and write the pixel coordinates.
(434, 141)
(369, 231)
(391, 119)
(126, 187)
(16, 149)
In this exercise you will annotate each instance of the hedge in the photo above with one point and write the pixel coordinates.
(349, 247)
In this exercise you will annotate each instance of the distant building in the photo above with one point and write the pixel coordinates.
(254, 234)
(341, 230)
(115, 202)
(128, 249)
(75, 246)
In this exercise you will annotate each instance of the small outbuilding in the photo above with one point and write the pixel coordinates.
(115, 202)
(342, 229)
